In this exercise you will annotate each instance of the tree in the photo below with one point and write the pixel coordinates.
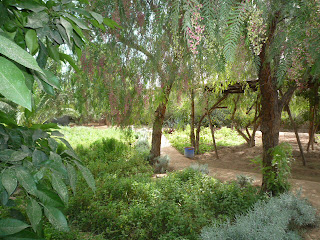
(147, 29)
(272, 30)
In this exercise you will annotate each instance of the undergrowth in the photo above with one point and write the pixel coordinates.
(224, 137)
(130, 204)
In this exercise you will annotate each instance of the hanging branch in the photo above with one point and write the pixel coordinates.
(212, 131)
(287, 108)
(203, 116)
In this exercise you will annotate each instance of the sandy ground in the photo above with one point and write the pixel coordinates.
(234, 161)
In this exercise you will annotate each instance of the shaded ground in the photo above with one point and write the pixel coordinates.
(234, 161)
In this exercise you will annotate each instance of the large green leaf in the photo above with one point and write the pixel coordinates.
(26, 180)
(23, 235)
(30, 5)
(18, 156)
(10, 226)
(97, 16)
(81, 24)
(63, 34)
(67, 26)
(55, 157)
(53, 52)
(72, 175)
(69, 59)
(4, 197)
(53, 144)
(45, 87)
(34, 212)
(38, 157)
(9, 155)
(87, 176)
(4, 118)
(60, 187)
(17, 54)
(51, 79)
(9, 180)
(5, 155)
(71, 153)
(78, 41)
(110, 23)
(56, 218)
(12, 83)
(37, 20)
(38, 133)
(49, 198)
(32, 41)
(42, 55)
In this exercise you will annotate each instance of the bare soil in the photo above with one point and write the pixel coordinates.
(234, 161)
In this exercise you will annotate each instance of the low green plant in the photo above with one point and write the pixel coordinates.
(161, 164)
(244, 180)
(278, 178)
(203, 168)
(36, 167)
(278, 218)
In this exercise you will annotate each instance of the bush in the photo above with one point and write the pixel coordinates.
(278, 174)
(161, 164)
(273, 219)
(203, 168)
(174, 207)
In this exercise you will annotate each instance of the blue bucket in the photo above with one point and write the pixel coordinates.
(189, 152)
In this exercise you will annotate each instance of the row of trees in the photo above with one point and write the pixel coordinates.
(186, 44)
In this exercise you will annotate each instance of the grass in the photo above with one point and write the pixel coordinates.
(225, 137)
(85, 136)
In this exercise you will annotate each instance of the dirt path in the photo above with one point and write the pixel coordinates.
(234, 161)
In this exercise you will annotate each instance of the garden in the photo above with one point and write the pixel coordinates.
(99, 101)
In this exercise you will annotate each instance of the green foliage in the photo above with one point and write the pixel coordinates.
(278, 174)
(224, 137)
(244, 180)
(161, 164)
(203, 168)
(34, 168)
(129, 204)
(85, 136)
(38, 29)
(277, 218)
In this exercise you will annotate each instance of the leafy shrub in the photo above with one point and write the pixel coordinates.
(278, 178)
(273, 219)
(174, 207)
(142, 146)
(161, 164)
(244, 180)
(203, 168)
(37, 165)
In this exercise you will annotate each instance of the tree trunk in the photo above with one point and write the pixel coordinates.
(212, 133)
(314, 104)
(287, 108)
(270, 112)
(157, 130)
(192, 137)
